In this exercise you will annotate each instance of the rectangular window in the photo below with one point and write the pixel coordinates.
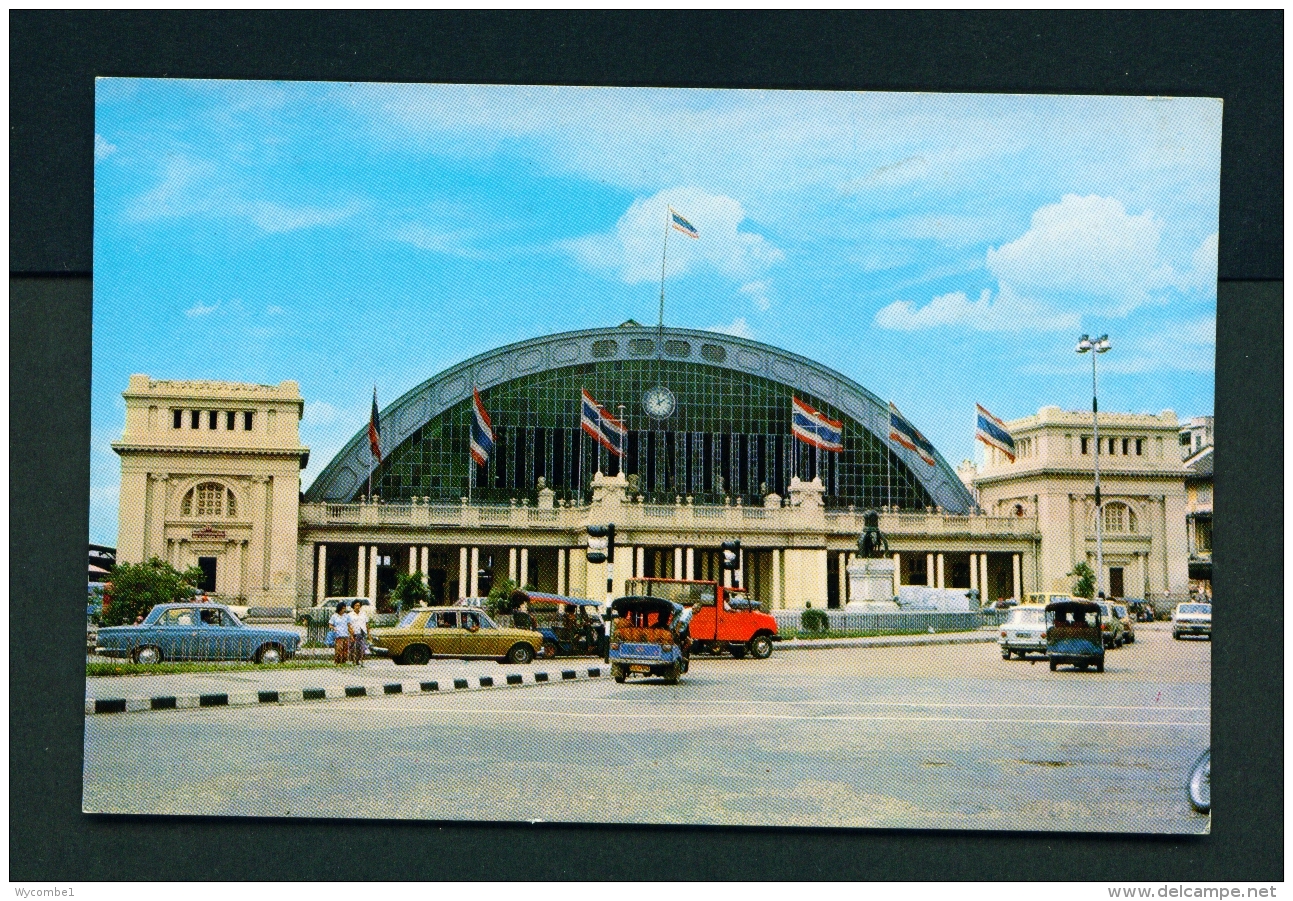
(1085, 445)
(1140, 447)
(213, 420)
(248, 420)
(1126, 444)
(177, 418)
(195, 419)
(230, 420)
(1113, 446)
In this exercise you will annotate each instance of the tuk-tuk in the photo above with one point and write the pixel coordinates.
(649, 637)
(571, 627)
(1074, 634)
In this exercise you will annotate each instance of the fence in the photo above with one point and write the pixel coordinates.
(898, 622)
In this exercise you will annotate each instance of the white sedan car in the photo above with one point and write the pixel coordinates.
(1192, 619)
(1023, 631)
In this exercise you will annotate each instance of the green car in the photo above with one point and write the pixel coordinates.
(454, 632)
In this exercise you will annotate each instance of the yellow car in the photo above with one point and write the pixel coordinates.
(454, 632)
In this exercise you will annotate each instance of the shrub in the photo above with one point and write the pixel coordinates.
(410, 591)
(137, 588)
(499, 601)
(814, 620)
(1083, 581)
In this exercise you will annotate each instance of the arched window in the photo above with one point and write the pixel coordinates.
(1119, 518)
(209, 499)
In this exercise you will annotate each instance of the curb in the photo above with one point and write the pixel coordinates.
(796, 644)
(337, 693)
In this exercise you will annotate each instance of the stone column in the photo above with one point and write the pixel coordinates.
(511, 565)
(475, 572)
(778, 597)
(413, 559)
(524, 568)
(974, 574)
(561, 571)
(691, 563)
(464, 578)
(361, 572)
(320, 575)
(677, 562)
(942, 571)
(639, 565)
(1016, 567)
(740, 569)
(843, 578)
(983, 576)
(930, 575)
(897, 572)
(372, 575)
(424, 565)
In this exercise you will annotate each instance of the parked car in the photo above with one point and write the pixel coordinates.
(1075, 634)
(1192, 619)
(1024, 631)
(1142, 611)
(198, 631)
(1128, 623)
(454, 632)
(1110, 625)
(1042, 598)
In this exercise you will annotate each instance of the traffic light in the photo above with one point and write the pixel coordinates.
(601, 543)
(732, 554)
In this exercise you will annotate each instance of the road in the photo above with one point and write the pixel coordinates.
(931, 737)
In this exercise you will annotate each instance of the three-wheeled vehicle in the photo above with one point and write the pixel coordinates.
(649, 638)
(571, 627)
(1074, 634)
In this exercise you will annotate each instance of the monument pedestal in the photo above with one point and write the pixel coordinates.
(871, 585)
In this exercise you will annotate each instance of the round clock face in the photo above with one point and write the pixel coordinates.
(658, 402)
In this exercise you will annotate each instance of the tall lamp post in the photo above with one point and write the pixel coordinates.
(1095, 348)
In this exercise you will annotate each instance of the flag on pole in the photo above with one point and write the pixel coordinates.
(682, 224)
(375, 431)
(813, 427)
(993, 432)
(482, 431)
(604, 428)
(905, 433)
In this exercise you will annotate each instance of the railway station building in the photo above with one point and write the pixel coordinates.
(707, 456)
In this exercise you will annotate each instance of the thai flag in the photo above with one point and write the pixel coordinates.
(992, 432)
(905, 433)
(482, 432)
(682, 225)
(375, 431)
(812, 427)
(604, 428)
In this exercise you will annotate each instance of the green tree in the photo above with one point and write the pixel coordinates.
(1083, 581)
(410, 591)
(499, 601)
(139, 587)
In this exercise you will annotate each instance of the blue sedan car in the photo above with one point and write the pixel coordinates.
(196, 632)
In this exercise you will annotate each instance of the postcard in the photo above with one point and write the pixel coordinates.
(607, 455)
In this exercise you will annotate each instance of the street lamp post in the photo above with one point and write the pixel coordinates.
(1095, 348)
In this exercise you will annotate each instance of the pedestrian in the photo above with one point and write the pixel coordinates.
(358, 633)
(340, 624)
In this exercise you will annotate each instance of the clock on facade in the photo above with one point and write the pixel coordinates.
(658, 402)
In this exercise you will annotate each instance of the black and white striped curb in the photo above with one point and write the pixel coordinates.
(338, 692)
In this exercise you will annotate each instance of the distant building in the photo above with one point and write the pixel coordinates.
(101, 561)
(1196, 450)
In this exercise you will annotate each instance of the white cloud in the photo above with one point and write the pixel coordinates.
(102, 148)
(191, 187)
(738, 327)
(201, 309)
(1088, 246)
(757, 292)
(1004, 313)
(454, 243)
(319, 413)
(274, 310)
(634, 248)
(1202, 274)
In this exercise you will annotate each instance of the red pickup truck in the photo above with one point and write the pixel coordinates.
(722, 618)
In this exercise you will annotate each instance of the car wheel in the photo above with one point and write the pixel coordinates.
(618, 672)
(1099, 665)
(148, 655)
(671, 675)
(417, 655)
(270, 653)
(1053, 665)
(1005, 655)
(738, 651)
(549, 650)
(520, 653)
(1176, 635)
(1200, 785)
(760, 647)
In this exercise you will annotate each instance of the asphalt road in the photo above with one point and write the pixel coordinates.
(931, 737)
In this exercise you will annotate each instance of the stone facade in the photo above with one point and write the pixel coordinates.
(211, 477)
(1143, 492)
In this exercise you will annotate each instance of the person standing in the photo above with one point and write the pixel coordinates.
(358, 633)
(339, 622)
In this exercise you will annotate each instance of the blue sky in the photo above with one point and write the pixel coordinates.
(941, 249)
